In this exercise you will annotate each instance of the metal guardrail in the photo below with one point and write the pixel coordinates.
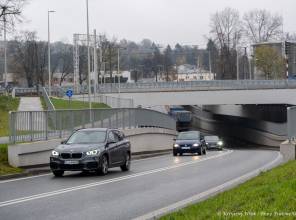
(291, 123)
(44, 125)
(25, 91)
(113, 102)
(202, 85)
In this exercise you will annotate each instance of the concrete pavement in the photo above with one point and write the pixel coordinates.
(151, 184)
(30, 104)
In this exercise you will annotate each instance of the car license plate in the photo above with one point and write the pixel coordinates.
(185, 148)
(71, 162)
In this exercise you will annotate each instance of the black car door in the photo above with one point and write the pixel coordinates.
(122, 148)
(113, 148)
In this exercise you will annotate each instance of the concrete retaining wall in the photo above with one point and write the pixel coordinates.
(288, 150)
(142, 140)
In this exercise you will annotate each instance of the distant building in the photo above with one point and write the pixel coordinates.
(286, 49)
(188, 72)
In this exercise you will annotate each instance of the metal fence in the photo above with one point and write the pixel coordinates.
(201, 85)
(113, 102)
(44, 125)
(291, 122)
(25, 91)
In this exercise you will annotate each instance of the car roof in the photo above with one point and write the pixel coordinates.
(94, 129)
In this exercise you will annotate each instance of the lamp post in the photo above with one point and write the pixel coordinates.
(88, 60)
(49, 68)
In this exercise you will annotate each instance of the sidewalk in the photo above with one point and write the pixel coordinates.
(30, 104)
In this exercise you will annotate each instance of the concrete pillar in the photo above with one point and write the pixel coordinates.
(288, 150)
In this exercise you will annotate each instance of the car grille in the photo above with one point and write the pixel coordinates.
(186, 145)
(71, 167)
(71, 155)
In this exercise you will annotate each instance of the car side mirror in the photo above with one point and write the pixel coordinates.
(110, 142)
(63, 142)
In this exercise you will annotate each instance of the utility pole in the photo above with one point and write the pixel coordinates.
(48, 50)
(88, 59)
(5, 49)
(118, 69)
(95, 64)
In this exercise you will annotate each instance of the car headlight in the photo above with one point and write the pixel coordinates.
(54, 153)
(195, 145)
(220, 143)
(92, 152)
(176, 145)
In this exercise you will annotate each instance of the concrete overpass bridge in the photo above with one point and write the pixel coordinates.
(217, 92)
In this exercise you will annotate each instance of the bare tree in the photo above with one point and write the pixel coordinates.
(262, 26)
(10, 11)
(227, 31)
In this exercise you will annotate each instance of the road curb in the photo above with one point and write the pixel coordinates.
(211, 192)
(45, 169)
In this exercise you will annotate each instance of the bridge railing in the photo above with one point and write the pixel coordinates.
(31, 126)
(201, 85)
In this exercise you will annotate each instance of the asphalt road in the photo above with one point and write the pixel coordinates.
(151, 184)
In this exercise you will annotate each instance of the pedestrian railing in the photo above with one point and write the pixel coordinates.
(44, 125)
(47, 100)
(25, 91)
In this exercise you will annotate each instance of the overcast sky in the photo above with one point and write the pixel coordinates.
(163, 21)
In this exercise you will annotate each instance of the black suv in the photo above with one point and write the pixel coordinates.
(95, 149)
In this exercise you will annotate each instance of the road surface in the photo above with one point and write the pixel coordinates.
(151, 184)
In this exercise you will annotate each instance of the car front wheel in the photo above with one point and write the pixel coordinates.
(127, 164)
(103, 170)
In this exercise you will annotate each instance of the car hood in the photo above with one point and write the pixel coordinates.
(79, 147)
(187, 141)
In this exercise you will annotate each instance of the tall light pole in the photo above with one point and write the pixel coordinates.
(5, 53)
(49, 68)
(88, 59)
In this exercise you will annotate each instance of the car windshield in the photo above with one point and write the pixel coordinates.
(87, 137)
(189, 135)
(211, 138)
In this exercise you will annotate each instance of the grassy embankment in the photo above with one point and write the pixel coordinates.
(64, 104)
(7, 103)
(267, 196)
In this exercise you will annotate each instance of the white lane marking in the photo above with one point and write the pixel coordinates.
(211, 192)
(85, 186)
(48, 174)
(24, 178)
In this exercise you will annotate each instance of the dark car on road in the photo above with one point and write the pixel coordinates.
(95, 149)
(189, 142)
(214, 142)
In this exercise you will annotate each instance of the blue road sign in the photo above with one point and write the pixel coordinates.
(69, 93)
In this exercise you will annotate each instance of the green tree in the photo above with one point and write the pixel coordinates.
(270, 62)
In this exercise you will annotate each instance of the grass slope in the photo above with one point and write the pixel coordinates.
(5, 169)
(267, 196)
(64, 104)
(7, 103)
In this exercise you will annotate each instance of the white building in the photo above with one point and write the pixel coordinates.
(188, 72)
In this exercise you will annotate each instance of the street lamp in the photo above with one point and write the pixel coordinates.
(49, 70)
(88, 59)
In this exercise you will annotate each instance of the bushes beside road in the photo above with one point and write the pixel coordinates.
(271, 195)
